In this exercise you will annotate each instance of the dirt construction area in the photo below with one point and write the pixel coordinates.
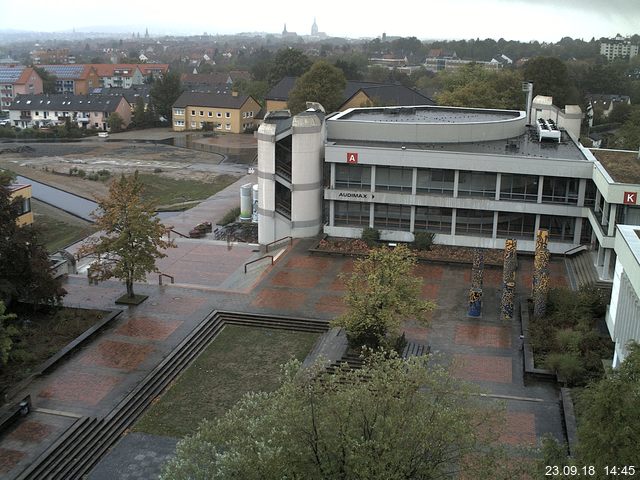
(52, 163)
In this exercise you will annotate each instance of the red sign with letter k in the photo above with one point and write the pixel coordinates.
(630, 198)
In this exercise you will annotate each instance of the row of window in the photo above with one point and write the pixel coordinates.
(470, 184)
(180, 111)
(439, 220)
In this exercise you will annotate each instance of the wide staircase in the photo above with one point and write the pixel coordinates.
(582, 272)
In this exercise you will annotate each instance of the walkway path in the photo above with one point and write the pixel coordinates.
(93, 381)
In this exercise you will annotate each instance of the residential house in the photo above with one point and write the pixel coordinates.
(22, 193)
(52, 56)
(228, 113)
(86, 111)
(73, 79)
(356, 94)
(130, 94)
(602, 104)
(126, 75)
(18, 80)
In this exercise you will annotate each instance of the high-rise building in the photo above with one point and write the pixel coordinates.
(618, 47)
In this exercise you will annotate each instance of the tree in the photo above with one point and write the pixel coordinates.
(628, 135)
(323, 83)
(391, 420)
(131, 238)
(288, 62)
(115, 122)
(48, 79)
(382, 292)
(139, 114)
(609, 409)
(24, 263)
(7, 332)
(164, 93)
(551, 78)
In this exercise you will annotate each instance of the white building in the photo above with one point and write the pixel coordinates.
(618, 47)
(623, 314)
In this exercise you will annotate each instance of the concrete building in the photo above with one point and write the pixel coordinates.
(86, 111)
(17, 80)
(569, 117)
(619, 47)
(228, 113)
(623, 313)
(472, 176)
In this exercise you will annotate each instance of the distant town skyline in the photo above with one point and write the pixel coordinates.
(523, 20)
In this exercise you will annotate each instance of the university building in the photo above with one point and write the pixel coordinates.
(472, 176)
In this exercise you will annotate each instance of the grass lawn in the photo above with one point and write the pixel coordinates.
(42, 334)
(58, 228)
(165, 191)
(239, 360)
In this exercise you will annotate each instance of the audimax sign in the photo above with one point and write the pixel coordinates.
(363, 196)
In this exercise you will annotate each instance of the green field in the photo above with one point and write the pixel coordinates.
(239, 360)
(165, 191)
(58, 229)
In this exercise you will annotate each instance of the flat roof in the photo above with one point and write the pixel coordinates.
(427, 114)
(622, 165)
(526, 146)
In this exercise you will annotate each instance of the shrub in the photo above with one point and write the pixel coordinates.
(568, 365)
(81, 173)
(230, 216)
(423, 240)
(370, 236)
(157, 170)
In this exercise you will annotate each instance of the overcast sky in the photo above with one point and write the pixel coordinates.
(543, 20)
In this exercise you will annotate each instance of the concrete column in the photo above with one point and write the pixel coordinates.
(412, 223)
(494, 232)
(600, 257)
(540, 185)
(332, 182)
(536, 227)
(373, 178)
(453, 217)
(456, 180)
(498, 181)
(613, 209)
(332, 210)
(414, 183)
(596, 208)
(605, 214)
(582, 188)
(371, 213)
(577, 231)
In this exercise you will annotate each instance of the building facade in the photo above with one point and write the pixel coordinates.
(22, 194)
(73, 79)
(227, 113)
(618, 47)
(474, 177)
(17, 80)
(86, 111)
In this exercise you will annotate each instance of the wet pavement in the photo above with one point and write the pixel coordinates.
(485, 351)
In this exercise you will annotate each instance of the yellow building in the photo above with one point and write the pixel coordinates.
(222, 113)
(22, 193)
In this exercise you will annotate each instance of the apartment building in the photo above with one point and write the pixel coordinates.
(17, 80)
(226, 113)
(618, 47)
(73, 79)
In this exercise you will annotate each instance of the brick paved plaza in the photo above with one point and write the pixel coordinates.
(485, 351)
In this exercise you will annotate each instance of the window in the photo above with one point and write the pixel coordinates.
(251, 114)
(519, 187)
(24, 206)
(177, 123)
(392, 217)
(218, 115)
(218, 126)
(560, 190)
(433, 219)
(178, 111)
(435, 181)
(354, 214)
(193, 124)
(560, 228)
(474, 222)
(244, 114)
(202, 113)
(193, 112)
(353, 176)
(394, 179)
(227, 115)
(227, 126)
(210, 114)
(590, 194)
(516, 225)
(476, 184)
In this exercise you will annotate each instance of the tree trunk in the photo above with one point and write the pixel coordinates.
(129, 284)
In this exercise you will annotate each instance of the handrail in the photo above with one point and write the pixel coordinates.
(171, 229)
(257, 259)
(170, 277)
(277, 241)
(573, 250)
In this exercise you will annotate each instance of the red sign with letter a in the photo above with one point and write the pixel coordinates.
(352, 157)
(630, 198)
